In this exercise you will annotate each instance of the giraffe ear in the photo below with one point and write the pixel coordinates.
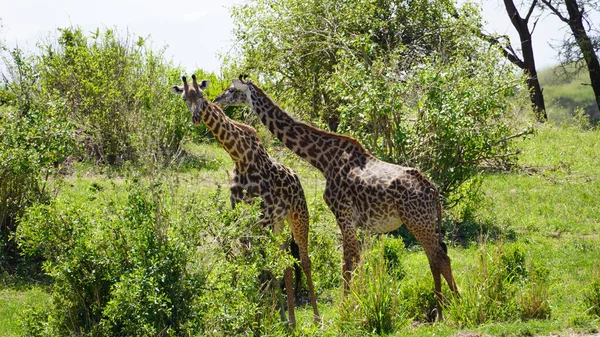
(239, 85)
(204, 85)
(176, 89)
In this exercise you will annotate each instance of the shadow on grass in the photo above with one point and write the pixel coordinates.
(463, 233)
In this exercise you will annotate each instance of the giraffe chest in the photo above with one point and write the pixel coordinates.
(247, 186)
(278, 188)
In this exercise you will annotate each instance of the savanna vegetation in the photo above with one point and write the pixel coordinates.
(114, 211)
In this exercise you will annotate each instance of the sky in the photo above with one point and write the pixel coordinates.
(196, 32)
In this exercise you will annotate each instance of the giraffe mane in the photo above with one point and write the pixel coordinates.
(316, 129)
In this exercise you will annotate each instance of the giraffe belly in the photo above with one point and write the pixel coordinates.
(379, 222)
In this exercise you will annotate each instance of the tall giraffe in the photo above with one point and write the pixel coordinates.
(257, 174)
(361, 190)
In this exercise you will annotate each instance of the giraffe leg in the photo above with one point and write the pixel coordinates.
(299, 226)
(439, 262)
(446, 269)
(351, 249)
(289, 289)
(437, 281)
(342, 210)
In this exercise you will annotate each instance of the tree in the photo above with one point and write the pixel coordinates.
(575, 17)
(528, 63)
(299, 60)
(411, 80)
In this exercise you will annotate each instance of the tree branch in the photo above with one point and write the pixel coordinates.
(507, 52)
(534, 25)
(555, 10)
(530, 11)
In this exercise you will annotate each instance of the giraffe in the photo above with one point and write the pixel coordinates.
(257, 174)
(361, 190)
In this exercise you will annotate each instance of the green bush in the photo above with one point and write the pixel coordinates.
(33, 144)
(144, 260)
(244, 301)
(116, 267)
(113, 89)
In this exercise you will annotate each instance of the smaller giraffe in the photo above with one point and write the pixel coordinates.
(257, 174)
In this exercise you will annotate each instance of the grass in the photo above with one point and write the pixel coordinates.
(14, 302)
(556, 192)
(551, 202)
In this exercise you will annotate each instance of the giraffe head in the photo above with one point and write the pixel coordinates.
(193, 95)
(236, 94)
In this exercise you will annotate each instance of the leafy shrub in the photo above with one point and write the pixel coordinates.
(244, 302)
(145, 260)
(113, 89)
(33, 144)
(448, 119)
(116, 268)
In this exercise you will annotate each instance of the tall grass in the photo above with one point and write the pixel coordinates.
(373, 303)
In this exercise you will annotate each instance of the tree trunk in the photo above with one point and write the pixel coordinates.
(528, 63)
(575, 22)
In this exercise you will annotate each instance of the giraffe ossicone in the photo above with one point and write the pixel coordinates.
(361, 190)
(257, 174)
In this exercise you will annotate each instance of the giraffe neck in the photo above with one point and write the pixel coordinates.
(239, 140)
(324, 150)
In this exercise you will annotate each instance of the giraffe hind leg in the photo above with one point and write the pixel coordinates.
(436, 252)
(446, 271)
(299, 225)
(287, 277)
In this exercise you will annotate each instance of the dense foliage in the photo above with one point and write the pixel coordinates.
(113, 89)
(146, 262)
(102, 94)
(157, 250)
(32, 147)
(410, 80)
(34, 140)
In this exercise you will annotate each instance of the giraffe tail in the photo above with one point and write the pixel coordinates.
(439, 223)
